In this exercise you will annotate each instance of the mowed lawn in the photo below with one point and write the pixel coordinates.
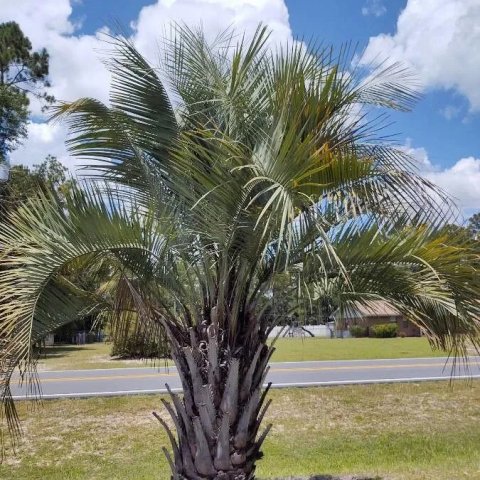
(427, 431)
(303, 349)
(97, 355)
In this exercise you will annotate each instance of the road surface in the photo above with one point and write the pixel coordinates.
(128, 381)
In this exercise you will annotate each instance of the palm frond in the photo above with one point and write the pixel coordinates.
(429, 276)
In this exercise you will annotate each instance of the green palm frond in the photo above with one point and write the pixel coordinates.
(41, 239)
(429, 276)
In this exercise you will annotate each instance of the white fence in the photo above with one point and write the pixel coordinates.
(321, 331)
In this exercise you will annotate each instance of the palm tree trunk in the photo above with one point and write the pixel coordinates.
(217, 421)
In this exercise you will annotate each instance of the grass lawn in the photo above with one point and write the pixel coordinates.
(298, 349)
(73, 357)
(427, 431)
(97, 355)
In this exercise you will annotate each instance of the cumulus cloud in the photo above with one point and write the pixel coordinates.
(374, 7)
(440, 41)
(461, 181)
(76, 69)
(214, 16)
(43, 139)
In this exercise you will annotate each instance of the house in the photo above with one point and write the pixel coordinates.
(376, 312)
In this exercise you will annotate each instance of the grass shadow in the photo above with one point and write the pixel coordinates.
(57, 351)
(332, 477)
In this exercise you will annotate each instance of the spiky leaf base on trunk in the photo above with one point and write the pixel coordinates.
(218, 419)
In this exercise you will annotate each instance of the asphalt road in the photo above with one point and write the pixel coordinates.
(129, 381)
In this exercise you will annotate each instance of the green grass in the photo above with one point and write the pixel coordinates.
(73, 357)
(298, 349)
(426, 431)
(97, 355)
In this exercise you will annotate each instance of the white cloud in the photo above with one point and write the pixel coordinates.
(440, 40)
(75, 66)
(43, 139)
(374, 7)
(215, 16)
(461, 181)
(38, 23)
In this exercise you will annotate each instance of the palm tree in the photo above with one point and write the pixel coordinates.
(229, 166)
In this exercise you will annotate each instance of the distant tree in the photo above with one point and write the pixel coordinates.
(18, 188)
(473, 225)
(283, 297)
(46, 177)
(22, 72)
(13, 119)
(288, 305)
(52, 174)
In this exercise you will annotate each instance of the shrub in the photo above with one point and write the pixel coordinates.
(384, 330)
(358, 331)
(135, 347)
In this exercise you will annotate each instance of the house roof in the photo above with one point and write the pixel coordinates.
(372, 308)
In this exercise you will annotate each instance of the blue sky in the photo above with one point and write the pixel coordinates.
(339, 21)
(439, 44)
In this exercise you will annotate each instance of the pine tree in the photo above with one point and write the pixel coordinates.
(23, 72)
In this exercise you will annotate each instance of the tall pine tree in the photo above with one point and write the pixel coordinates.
(23, 72)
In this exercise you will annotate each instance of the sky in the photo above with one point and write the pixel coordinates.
(438, 40)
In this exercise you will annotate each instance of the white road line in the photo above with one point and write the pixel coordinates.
(98, 394)
(370, 381)
(274, 385)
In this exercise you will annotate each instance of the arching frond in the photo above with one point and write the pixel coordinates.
(429, 276)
